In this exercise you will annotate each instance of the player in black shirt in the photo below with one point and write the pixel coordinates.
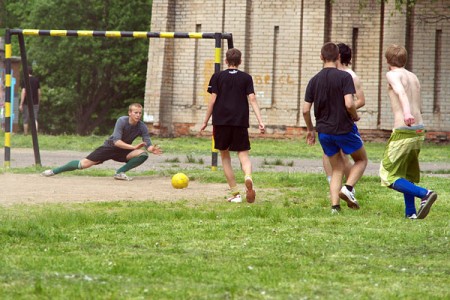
(231, 91)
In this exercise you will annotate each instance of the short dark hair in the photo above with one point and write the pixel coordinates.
(330, 52)
(30, 70)
(346, 54)
(234, 57)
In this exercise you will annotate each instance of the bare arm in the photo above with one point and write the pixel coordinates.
(152, 148)
(209, 111)
(22, 99)
(255, 106)
(360, 98)
(310, 132)
(394, 80)
(350, 106)
(122, 145)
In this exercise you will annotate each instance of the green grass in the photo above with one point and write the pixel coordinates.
(285, 246)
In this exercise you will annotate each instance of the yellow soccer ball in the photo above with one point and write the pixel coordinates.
(180, 181)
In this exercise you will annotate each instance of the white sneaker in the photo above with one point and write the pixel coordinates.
(349, 197)
(235, 199)
(47, 173)
(426, 204)
(122, 176)
(411, 217)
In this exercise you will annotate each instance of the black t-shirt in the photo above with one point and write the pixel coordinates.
(35, 86)
(232, 88)
(327, 90)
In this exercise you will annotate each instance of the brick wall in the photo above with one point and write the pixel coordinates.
(280, 42)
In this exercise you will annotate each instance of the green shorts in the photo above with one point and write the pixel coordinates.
(401, 156)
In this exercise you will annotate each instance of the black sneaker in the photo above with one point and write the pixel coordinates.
(426, 204)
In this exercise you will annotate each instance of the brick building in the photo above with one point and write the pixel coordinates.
(281, 42)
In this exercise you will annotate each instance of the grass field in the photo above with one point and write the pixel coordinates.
(287, 246)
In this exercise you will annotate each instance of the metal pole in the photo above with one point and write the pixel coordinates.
(7, 162)
(217, 61)
(32, 120)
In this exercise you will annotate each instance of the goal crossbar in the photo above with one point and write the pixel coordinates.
(217, 36)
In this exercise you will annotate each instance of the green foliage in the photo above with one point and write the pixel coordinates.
(86, 82)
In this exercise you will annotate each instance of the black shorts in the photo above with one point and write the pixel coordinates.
(232, 138)
(104, 153)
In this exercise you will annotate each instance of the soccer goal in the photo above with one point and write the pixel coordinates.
(20, 33)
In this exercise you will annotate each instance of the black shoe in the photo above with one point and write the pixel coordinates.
(426, 204)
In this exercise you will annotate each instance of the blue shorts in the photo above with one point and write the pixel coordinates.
(349, 142)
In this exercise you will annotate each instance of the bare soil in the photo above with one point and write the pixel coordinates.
(34, 188)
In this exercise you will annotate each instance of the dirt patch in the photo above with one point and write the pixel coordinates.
(34, 188)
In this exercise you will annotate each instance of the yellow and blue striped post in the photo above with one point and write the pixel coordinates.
(8, 53)
(217, 69)
(217, 61)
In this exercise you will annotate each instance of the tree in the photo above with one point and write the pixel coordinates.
(87, 82)
(406, 6)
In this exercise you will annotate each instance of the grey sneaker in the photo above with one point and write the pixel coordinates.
(426, 204)
(47, 173)
(122, 176)
(335, 211)
(349, 197)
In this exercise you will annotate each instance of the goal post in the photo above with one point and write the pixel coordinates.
(217, 36)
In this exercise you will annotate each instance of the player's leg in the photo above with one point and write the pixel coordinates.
(246, 166)
(36, 114)
(347, 192)
(347, 164)
(410, 207)
(134, 159)
(223, 137)
(70, 166)
(357, 170)
(332, 151)
(229, 175)
(428, 197)
(337, 173)
(351, 143)
(240, 142)
(326, 167)
(25, 119)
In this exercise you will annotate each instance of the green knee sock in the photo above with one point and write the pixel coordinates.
(70, 166)
(133, 163)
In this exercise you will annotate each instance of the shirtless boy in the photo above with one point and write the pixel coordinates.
(399, 168)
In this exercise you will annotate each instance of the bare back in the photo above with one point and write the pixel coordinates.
(360, 99)
(404, 93)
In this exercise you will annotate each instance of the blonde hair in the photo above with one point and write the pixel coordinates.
(134, 105)
(396, 55)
